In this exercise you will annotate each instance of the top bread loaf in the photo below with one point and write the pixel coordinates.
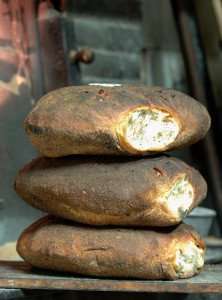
(119, 119)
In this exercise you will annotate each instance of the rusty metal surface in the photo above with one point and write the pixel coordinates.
(20, 275)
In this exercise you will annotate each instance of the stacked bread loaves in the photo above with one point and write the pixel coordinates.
(100, 168)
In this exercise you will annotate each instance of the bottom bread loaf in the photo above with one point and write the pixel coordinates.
(166, 253)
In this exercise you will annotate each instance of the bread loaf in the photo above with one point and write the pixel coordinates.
(127, 120)
(167, 253)
(157, 191)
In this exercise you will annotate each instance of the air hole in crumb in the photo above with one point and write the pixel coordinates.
(86, 92)
(158, 171)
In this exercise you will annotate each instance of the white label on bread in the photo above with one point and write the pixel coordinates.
(106, 84)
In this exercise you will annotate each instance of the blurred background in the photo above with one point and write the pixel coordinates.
(45, 45)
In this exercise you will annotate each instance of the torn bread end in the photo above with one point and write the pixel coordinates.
(189, 259)
(149, 129)
(179, 198)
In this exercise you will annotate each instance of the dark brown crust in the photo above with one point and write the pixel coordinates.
(106, 190)
(59, 245)
(85, 119)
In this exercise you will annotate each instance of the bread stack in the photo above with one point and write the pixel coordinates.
(101, 169)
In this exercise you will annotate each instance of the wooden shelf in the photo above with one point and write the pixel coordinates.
(19, 275)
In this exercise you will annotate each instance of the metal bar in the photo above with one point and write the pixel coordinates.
(35, 66)
(209, 19)
(53, 54)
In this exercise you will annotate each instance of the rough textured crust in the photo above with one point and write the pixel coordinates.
(86, 119)
(106, 190)
(59, 245)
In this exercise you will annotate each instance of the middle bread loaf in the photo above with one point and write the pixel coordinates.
(157, 191)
